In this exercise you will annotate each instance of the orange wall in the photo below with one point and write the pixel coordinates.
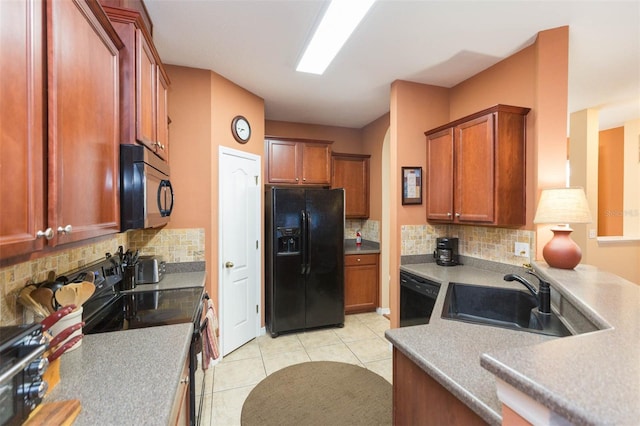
(535, 77)
(415, 108)
(610, 182)
(201, 106)
(420, 107)
(189, 133)
(372, 137)
(345, 139)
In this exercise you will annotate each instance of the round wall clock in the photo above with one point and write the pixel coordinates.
(240, 129)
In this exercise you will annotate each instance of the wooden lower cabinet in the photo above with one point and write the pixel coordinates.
(180, 409)
(361, 287)
(420, 400)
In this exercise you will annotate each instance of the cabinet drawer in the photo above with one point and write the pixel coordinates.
(360, 259)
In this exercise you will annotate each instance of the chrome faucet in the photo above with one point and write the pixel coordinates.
(543, 295)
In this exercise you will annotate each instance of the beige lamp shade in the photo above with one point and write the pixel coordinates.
(563, 205)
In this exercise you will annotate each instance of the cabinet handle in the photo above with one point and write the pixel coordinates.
(66, 230)
(448, 214)
(358, 259)
(304, 179)
(457, 214)
(228, 265)
(47, 233)
(185, 380)
(297, 179)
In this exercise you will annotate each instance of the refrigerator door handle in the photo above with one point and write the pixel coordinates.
(307, 227)
(303, 266)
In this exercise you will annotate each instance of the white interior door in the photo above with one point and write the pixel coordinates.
(239, 247)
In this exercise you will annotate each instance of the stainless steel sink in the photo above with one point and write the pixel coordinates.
(500, 307)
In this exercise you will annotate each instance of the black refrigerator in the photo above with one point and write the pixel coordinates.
(304, 267)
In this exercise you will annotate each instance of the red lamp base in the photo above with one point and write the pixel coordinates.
(562, 252)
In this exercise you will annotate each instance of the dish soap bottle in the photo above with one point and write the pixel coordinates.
(358, 239)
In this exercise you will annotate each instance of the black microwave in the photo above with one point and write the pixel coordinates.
(146, 194)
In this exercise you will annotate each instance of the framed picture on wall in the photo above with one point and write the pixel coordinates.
(412, 185)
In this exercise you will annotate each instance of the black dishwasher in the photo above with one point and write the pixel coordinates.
(417, 298)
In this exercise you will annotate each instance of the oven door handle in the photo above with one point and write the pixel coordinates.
(22, 364)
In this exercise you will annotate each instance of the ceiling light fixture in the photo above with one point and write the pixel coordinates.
(338, 22)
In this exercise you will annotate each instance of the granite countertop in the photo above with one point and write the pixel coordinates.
(579, 377)
(592, 378)
(125, 377)
(367, 247)
(129, 376)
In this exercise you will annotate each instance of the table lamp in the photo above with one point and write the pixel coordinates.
(562, 206)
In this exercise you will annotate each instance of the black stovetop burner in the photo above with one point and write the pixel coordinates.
(111, 309)
(140, 309)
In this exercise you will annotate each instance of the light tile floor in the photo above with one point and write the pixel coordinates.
(228, 384)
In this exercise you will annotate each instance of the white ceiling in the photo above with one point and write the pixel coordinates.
(257, 44)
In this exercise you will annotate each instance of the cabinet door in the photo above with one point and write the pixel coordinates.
(283, 165)
(180, 409)
(351, 172)
(316, 164)
(412, 386)
(440, 175)
(22, 118)
(146, 69)
(83, 124)
(163, 117)
(361, 283)
(475, 170)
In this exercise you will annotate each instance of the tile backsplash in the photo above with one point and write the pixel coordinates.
(487, 243)
(174, 245)
(370, 229)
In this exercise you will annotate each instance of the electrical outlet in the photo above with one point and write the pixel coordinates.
(521, 249)
(592, 233)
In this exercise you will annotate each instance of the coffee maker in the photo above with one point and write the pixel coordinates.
(446, 252)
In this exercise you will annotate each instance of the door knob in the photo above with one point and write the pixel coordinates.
(228, 265)
(66, 230)
(48, 234)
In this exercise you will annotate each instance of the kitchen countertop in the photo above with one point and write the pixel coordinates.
(367, 247)
(130, 376)
(579, 377)
(126, 377)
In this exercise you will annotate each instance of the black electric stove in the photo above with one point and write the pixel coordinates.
(112, 309)
(141, 309)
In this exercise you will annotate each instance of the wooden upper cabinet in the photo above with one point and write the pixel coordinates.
(22, 192)
(145, 93)
(474, 176)
(476, 169)
(351, 172)
(440, 178)
(162, 114)
(298, 162)
(316, 163)
(144, 82)
(83, 117)
(59, 165)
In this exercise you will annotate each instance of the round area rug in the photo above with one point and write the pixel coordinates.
(319, 393)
